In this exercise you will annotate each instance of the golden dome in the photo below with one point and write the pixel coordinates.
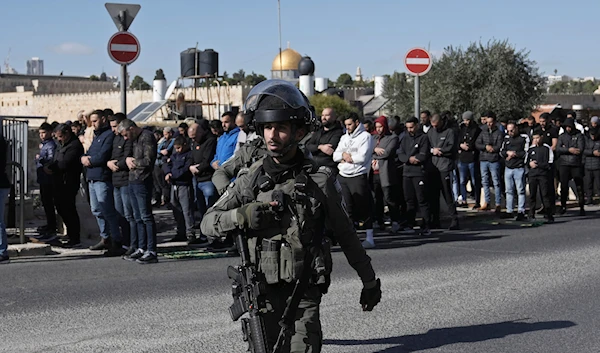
(289, 60)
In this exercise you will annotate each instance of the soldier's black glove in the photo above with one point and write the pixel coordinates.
(369, 297)
(255, 215)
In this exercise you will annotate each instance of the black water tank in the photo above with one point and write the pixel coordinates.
(209, 62)
(306, 66)
(188, 62)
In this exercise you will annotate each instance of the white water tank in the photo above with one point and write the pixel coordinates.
(307, 85)
(379, 85)
(321, 84)
(159, 88)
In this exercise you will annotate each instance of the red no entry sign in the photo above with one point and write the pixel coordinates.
(123, 48)
(418, 61)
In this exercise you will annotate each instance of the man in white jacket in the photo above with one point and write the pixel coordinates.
(354, 154)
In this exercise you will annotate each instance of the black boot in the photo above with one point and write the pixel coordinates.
(454, 225)
(116, 249)
(103, 244)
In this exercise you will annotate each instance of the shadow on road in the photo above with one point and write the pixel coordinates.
(451, 335)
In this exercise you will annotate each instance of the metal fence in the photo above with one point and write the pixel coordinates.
(15, 132)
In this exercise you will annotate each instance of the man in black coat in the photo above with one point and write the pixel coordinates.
(66, 171)
(468, 158)
(414, 153)
(204, 147)
(592, 164)
(443, 150)
(539, 163)
(121, 149)
(571, 145)
(324, 141)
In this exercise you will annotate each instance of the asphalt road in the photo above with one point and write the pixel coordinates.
(491, 288)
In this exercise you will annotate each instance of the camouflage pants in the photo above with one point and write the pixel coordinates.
(308, 337)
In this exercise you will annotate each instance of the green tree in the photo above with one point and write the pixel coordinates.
(160, 75)
(340, 106)
(560, 87)
(138, 83)
(589, 87)
(253, 79)
(103, 77)
(94, 78)
(400, 94)
(344, 80)
(491, 76)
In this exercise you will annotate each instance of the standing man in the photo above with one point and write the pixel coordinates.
(42, 159)
(549, 135)
(592, 164)
(162, 191)
(66, 172)
(99, 178)
(4, 191)
(121, 149)
(385, 179)
(246, 134)
(571, 145)
(468, 159)
(539, 161)
(489, 144)
(227, 142)
(514, 149)
(354, 154)
(442, 142)
(425, 120)
(203, 149)
(284, 117)
(324, 141)
(415, 152)
(140, 164)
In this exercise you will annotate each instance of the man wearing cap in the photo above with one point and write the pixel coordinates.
(468, 158)
(571, 145)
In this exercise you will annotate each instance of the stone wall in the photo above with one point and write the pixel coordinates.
(63, 107)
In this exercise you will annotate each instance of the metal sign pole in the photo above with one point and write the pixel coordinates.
(124, 28)
(417, 97)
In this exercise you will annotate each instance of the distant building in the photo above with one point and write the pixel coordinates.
(552, 79)
(358, 77)
(285, 66)
(35, 66)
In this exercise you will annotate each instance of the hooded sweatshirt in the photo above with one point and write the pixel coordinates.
(385, 164)
(359, 145)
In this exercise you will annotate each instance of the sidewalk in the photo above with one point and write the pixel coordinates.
(179, 250)
(165, 227)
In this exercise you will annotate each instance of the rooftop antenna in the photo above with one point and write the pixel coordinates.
(279, 21)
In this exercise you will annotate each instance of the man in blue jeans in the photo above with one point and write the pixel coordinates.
(120, 178)
(4, 190)
(468, 157)
(99, 178)
(514, 150)
(141, 165)
(488, 144)
(203, 147)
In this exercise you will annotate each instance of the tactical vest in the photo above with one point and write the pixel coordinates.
(279, 251)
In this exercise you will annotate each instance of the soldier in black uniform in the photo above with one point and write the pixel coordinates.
(280, 229)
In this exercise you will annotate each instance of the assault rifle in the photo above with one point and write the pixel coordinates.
(248, 297)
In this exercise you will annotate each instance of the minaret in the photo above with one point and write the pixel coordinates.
(358, 76)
